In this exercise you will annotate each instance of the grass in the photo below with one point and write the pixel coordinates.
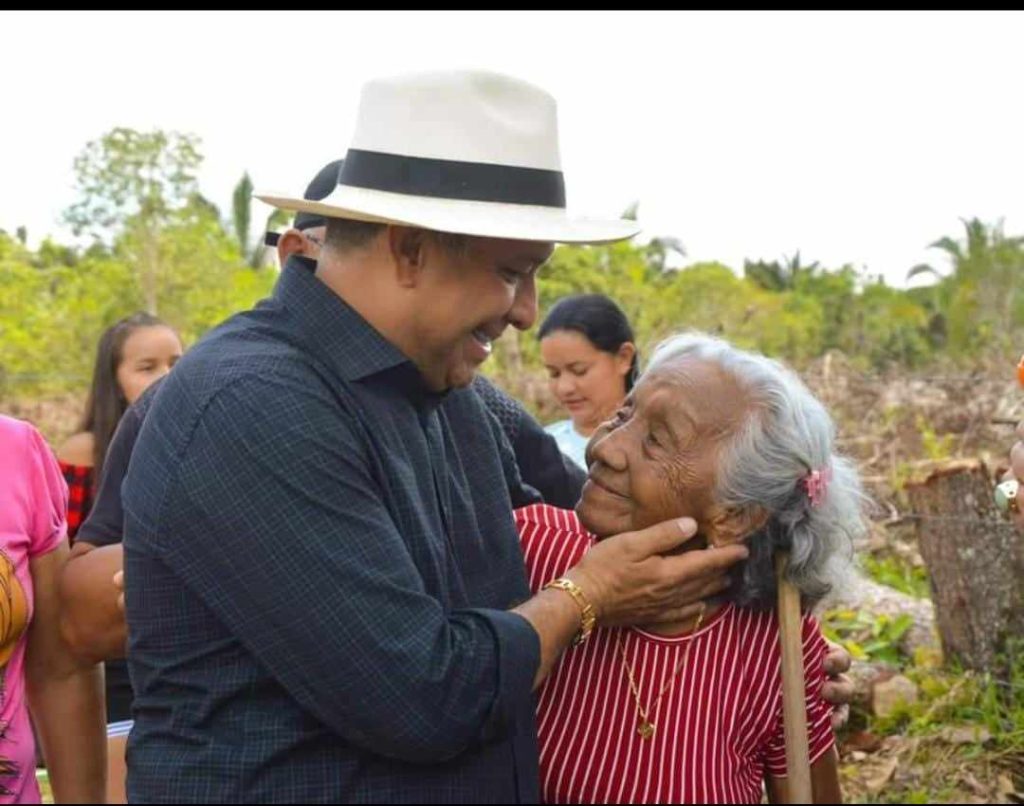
(896, 573)
(44, 785)
(962, 742)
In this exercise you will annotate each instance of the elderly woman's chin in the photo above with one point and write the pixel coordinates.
(603, 512)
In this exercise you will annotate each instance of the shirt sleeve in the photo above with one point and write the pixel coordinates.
(78, 479)
(547, 475)
(820, 738)
(104, 525)
(551, 545)
(49, 496)
(276, 521)
(543, 465)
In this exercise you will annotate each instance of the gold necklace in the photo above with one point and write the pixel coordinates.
(645, 726)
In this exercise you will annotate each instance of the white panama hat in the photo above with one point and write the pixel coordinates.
(469, 152)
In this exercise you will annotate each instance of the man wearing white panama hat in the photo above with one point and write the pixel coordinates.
(325, 594)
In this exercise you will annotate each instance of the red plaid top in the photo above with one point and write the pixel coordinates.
(80, 492)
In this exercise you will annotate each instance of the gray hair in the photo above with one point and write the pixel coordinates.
(786, 435)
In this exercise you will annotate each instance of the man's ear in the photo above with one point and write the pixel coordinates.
(408, 249)
(727, 526)
(291, 242)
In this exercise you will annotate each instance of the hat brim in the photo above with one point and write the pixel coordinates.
(522, 222)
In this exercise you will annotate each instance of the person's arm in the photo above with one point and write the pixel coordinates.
(628, 580)
(325, 594)
(543, 465)
(824, 782)
(65, 695)
(838, 689)
(1016, 471)
(500, 412)
(92, 623)
(540, 461)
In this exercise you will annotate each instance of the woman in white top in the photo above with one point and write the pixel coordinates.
(588, 349)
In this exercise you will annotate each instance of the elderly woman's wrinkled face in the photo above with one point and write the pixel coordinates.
(657, 458)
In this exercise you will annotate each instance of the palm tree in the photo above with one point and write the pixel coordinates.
(984, 294)
(241, 215)
(658, 249)
(241, 218)
(776, 276)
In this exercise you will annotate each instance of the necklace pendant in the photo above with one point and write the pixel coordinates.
(645, 729)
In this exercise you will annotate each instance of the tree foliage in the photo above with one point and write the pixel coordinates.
(158, 244)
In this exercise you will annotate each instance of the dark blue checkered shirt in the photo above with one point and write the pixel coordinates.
(318, 572)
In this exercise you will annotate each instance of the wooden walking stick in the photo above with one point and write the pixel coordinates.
(794, 703)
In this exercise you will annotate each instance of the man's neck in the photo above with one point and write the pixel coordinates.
(357, 283)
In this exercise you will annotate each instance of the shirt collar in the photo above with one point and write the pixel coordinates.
(337, 334)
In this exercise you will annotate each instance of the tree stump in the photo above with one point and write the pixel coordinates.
(975, 559)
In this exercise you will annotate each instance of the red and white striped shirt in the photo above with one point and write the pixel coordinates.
(718, 726)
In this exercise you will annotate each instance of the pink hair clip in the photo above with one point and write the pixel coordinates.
(817, 482)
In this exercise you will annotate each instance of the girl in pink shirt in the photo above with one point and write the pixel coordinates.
(36, 667)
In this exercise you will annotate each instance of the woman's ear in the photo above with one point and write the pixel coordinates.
(727, 526)
(624, 356)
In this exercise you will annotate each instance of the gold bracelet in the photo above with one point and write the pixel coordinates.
(588, 619)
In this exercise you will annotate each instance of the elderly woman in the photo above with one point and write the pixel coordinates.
(691, 712)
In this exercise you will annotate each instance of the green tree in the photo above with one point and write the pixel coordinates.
(53, 305)
(983, 298)
(888, 326)
(776, 276)
(155, 239)
(241, 216)
(204, 277)
(835, 292)
(131, 183)
(241, 219)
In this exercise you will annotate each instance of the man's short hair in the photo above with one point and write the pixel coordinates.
(345, 234)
